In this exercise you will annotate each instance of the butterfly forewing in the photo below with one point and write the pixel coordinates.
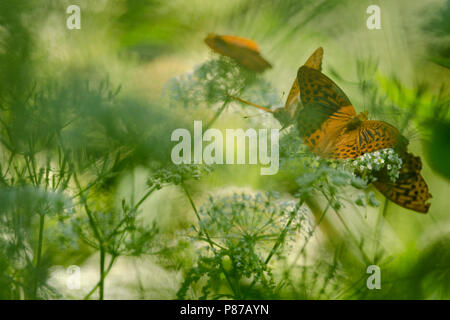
(314, 62)
(293, 95)
(326, 109)
(319, 91)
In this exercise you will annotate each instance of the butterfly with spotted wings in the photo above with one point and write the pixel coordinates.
(330, 127)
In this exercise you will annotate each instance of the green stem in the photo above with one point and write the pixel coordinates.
(190, 201)
(300, 252)
(150, 191)
(97, 235)
(379, 226)
(208, 238)
(38, 254)
(352, 236)
(276, 245)
(105, 273)
(218, 113)
(330, 231)
(102, 272)
(347, 228)
(280, 238)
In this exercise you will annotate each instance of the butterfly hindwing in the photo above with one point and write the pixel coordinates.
(410, 189)
(376, 135)
(368, 137)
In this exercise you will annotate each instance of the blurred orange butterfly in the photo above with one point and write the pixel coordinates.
(330, 127)
(244, 51)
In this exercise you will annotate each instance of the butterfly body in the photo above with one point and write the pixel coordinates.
(357, 121)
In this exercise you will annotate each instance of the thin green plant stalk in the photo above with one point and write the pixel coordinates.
(102, 273)
(363, 254)
(302, 250)
(217, 114)
(280, 238)
(38, 253)
(329, 231)
(97, 235)
(139, 281)
(105, 273)
(276, 245)
(379, 227)
(352, 236)
(208, 238)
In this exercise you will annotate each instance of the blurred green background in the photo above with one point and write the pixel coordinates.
(86, 118)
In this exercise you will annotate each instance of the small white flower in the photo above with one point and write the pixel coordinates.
(369, 166)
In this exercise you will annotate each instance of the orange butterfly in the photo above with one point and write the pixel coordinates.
(244, 51)
(330, 127)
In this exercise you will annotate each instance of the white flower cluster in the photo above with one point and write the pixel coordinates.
(366, 165)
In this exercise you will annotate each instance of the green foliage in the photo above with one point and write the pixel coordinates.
(76, 117)
(242, 233)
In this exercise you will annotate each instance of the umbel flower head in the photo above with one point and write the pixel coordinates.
(367, 165)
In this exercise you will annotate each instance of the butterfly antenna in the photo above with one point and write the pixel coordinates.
(251, 104)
